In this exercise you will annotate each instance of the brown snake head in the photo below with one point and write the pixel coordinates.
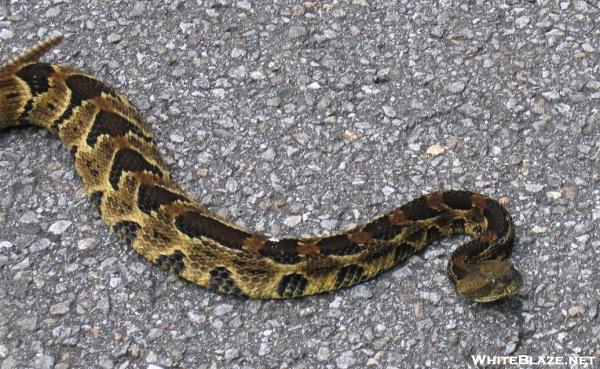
(489, 280)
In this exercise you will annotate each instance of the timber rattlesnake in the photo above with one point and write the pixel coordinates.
(128, 181)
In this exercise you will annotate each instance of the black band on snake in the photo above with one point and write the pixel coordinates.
(127, 180)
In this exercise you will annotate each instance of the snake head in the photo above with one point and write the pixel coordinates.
(489, 280)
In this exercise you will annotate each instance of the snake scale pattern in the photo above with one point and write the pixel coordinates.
(128, 182)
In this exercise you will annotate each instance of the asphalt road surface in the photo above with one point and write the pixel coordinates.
(309, 118)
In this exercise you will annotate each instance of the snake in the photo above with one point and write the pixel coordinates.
(128, 182)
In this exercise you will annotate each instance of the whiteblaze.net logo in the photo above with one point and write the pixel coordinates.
(583, 361)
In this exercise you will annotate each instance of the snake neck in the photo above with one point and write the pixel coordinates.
(491, 228)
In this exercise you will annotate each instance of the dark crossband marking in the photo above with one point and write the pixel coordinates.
(129, 160)
(474, 221)
(82, 88)
(445, 219)
(283, 251)
(292, 285)
(418, 209)
(86, 88)
(338, 245)
(36, 76)
(496, 218)
(416, 235)
(433, 233)
(173, 262)
(284, 245)
(459, 200)
(382, 229)
(451, 222)
(114, 125)
(349, 275)
(403, 251)
(221, 281)
(196, 225)
(26, 110)
(126, 230)
(153, 197)
(458, 225)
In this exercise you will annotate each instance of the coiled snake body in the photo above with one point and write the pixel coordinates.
(128, 181)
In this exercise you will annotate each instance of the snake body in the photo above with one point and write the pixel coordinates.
(128, 182)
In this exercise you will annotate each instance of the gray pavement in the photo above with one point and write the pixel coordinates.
(303, 119)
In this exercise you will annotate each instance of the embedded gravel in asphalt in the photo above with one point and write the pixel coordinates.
(298, 119)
